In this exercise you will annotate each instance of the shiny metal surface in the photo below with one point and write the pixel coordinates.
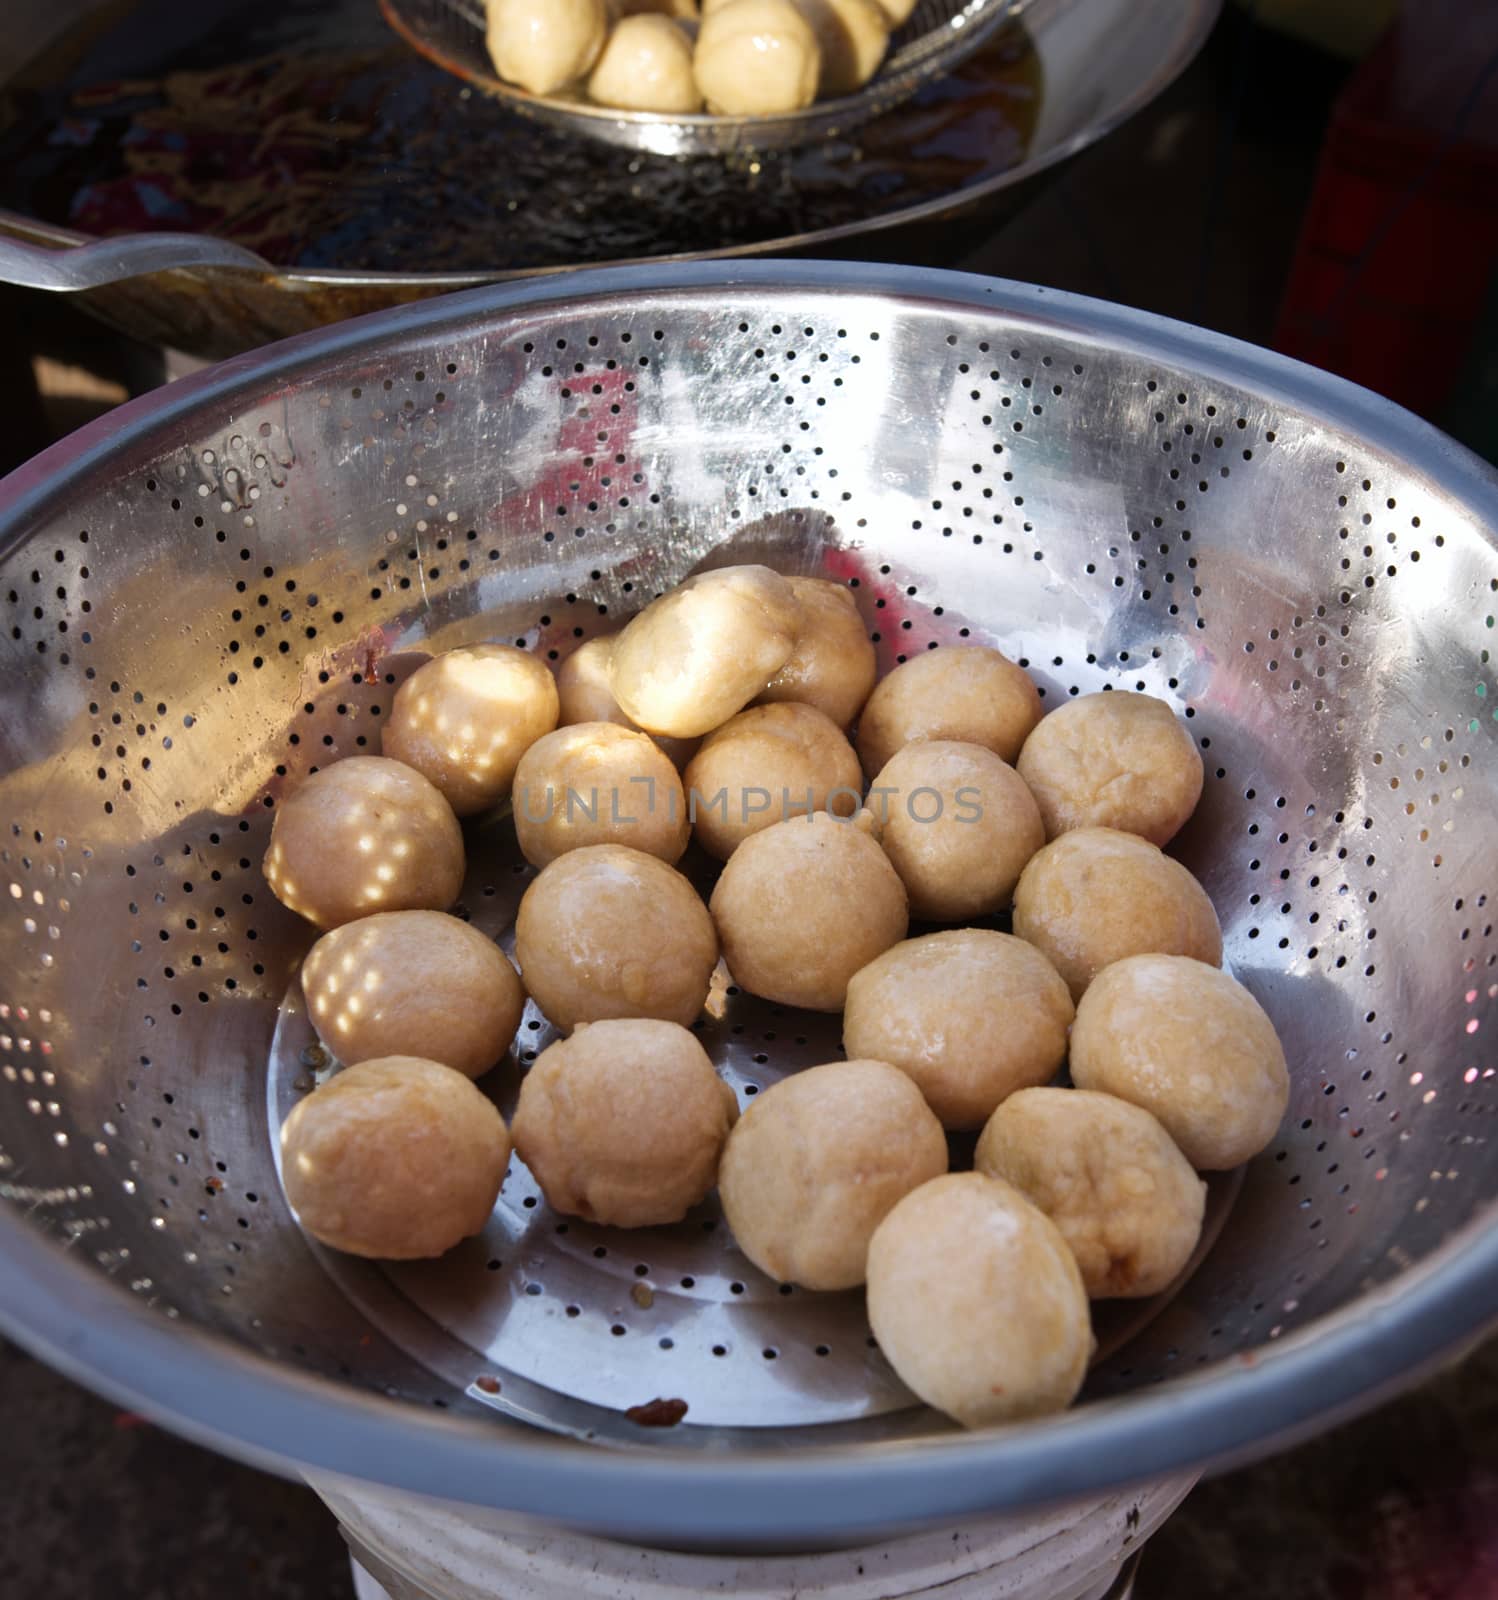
(216, 588)
(938, 37)
(1101, 60)
(93, 266)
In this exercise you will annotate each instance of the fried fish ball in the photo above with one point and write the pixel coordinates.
(706, 648)
(833, 666)
(1193, 1047)
(647, 66)
(366, 834)
(1116, 759)
(543, 45)
(413, 983)
(959, 827)
(964, 692)
(898, 11)
(853, 36)
(1095, 895)
(817, 1163)
(977, 1303)
(585, 696)
(757, 58)
(465, 718)
(595, 783)
(767, 764)
(1108, 1175)
(396, 1159)
(685, 10)
(970, 1014)
(624, 1122)
(607, 931)
(803, 905)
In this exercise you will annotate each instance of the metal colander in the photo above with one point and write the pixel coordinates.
(937, 37)
(213, 591)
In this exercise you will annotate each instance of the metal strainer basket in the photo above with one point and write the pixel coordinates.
(212, 591)
(936, 38)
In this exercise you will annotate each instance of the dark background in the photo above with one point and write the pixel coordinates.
(1202, 208)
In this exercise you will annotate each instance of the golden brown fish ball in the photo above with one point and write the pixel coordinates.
(833, 666)
(1108, 1175)
(607, 931)
(397, 1159)
(585, 695)
(1094, 896)
(465, 718)
(366, 834)
(413, 983)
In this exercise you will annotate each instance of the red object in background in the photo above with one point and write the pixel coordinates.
(1400, 241)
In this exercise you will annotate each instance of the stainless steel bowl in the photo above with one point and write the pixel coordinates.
(212, 591)
(938, 37)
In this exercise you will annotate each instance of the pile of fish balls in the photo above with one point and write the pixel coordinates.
(978, 888)
(741, 58)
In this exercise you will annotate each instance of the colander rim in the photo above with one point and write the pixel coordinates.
(243, 1404)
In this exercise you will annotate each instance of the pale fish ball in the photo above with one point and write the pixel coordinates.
(1108, 1175)
(595, 783)
(701, 652)
(585, 696)
(396, 1159)
(765, 765)
(1094, 896)
(413, 983)
(647, 66)
(465, 718)
(607, 931)
(833, 666)
(977, 1303)
(1193, 1047)
(366, 834)
(965, 692)
(543, 45)
(959, 825)
(972, 1015)
(623, 1124)
(1115, 759)
(853, 36)
(816, 1164)
(803, 906)
(757, 58)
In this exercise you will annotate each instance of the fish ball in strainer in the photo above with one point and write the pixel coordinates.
(1193, 1047)
(647, 66)
(833, 666)
(607, 932)
(397, 1159)
(624, 1122)
(705, 649)
(977, 1303)
(1108, 1175)
(543, 45)
(465, 718)
(596, 783)
(757, 58)
(1095, 895)
(585, 695)
(366, 834)
(413, 983)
